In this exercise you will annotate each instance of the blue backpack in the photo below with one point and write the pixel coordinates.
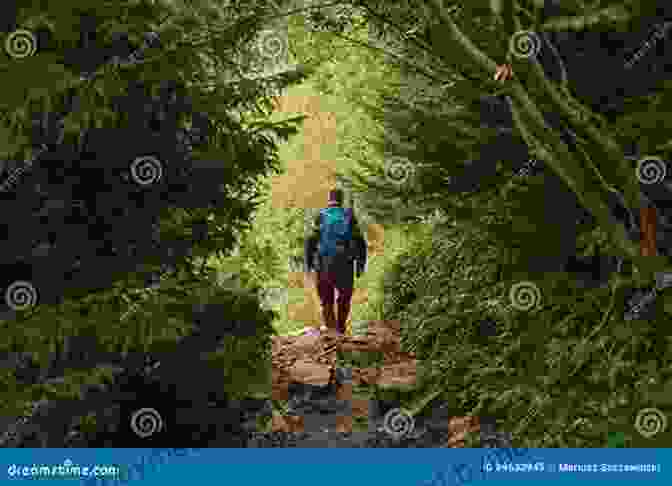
(335, 232)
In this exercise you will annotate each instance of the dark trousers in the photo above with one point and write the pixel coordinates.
(327, 285)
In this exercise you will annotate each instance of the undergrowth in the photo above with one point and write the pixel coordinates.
(564, 374)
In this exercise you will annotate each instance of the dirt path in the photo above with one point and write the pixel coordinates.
(325, 403)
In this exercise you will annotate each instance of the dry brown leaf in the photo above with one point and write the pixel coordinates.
(310, 373)
(344, 423)
(360, 407)
(279, 424)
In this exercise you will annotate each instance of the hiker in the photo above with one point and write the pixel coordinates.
(333, 250)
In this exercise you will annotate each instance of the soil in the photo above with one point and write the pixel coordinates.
(318, 392)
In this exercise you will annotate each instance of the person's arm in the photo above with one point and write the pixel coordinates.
(310, 246)
(360, 247)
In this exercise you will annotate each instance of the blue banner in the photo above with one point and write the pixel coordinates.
(305, 467)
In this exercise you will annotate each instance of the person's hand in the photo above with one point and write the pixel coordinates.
(310, 279)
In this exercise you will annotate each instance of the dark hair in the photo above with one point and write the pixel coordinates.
(336, 195)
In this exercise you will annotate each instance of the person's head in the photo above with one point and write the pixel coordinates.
(336, 197)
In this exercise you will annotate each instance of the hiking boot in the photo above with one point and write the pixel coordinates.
(333, 333)
(329, 317)
(340, 324)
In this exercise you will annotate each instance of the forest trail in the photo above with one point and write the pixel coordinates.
(306, 183)
(342, 366)
(312, 358)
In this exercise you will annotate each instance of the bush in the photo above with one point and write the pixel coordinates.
(563, 374)
(227, 347)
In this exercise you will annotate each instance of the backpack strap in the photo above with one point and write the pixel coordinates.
(349, 216)
(354, 251)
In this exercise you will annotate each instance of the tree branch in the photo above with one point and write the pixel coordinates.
(541, 137)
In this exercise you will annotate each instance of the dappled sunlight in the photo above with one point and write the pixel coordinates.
(310, 163)
(310, 174)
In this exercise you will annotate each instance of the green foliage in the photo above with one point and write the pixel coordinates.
(444, 275)
(564, 374)
(570, 364)
(559, 376)
(243, 362)
(199, 42)
(349, 76)
(239, 364)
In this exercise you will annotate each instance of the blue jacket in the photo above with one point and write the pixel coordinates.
(359, 248)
